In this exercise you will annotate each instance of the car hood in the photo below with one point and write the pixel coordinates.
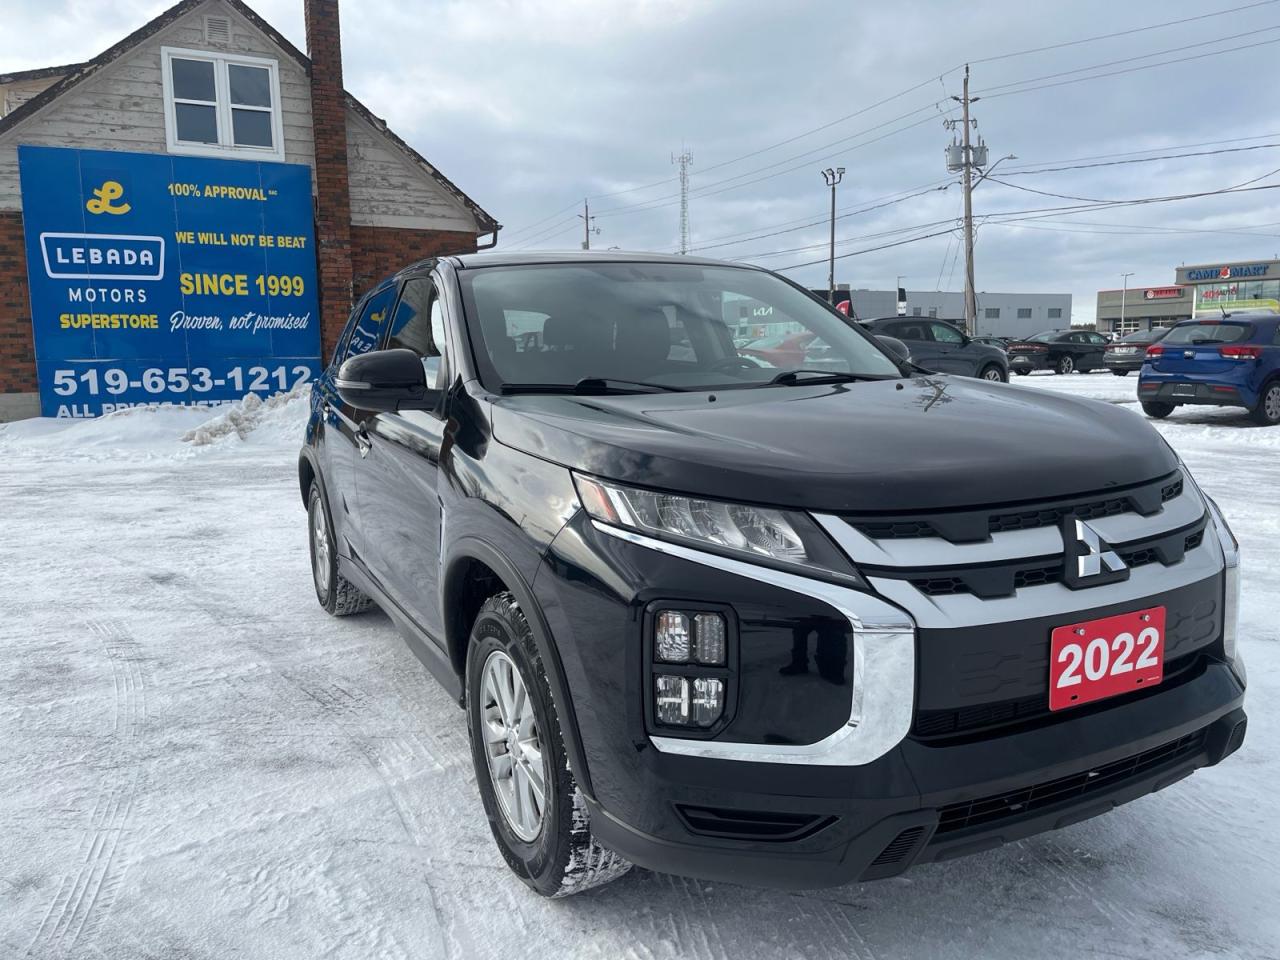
(930, 442)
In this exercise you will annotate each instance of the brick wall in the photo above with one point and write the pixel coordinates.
(17, 353)
(333, 185)
(378, 252)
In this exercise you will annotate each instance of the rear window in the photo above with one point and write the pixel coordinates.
(1141, 336)
(1210, 331)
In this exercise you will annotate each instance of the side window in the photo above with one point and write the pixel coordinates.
(910, 331)
(945, 334)
(368, 329)
(1097, 339)
(418, 325)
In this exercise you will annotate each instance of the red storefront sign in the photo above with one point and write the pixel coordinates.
(1163, 293)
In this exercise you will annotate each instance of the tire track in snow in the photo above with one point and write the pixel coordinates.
(85, 897)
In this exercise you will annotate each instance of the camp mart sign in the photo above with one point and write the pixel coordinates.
(1228, 272)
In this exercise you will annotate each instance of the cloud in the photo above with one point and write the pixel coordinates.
(530, 106)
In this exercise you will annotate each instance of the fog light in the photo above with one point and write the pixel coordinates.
(708, 701)
(671, 700)
(672, 637)
(709, 639)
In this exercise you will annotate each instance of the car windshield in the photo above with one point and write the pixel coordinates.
(1047, 337)
(664, 324)
(1209, 331)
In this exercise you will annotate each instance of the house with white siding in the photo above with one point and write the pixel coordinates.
(211, 78)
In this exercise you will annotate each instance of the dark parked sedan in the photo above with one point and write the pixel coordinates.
(1062, 351)
(1128, 353)
(938, 346)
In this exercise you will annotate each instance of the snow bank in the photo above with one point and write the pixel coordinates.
(240, 419)
(161, 432)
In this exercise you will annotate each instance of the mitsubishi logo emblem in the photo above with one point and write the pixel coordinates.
(1088, 560)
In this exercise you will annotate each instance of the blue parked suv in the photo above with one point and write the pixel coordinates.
(1232, 361)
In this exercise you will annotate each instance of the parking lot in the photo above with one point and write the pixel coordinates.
(195, 761)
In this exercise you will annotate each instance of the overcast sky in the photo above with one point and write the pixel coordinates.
(530, 106)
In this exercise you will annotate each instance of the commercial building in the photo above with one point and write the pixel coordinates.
(1248, 284)
(188, 214)
(1144, 308)
(999, 314)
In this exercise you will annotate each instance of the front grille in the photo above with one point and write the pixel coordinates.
(771, 826)
(985, 718)
(1002, 580)
(1017, 804)
(978, 525)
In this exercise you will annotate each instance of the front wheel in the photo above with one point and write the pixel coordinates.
(1157, 410)
(536, 813)
(1065, 366)
(993, 373)
(1267, 410)
(338, 595)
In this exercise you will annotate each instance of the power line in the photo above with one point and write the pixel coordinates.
(1144, 56)
(1067, 196)
(1116, 73)
(923, 83)
(1117, 163)
(1107, 204)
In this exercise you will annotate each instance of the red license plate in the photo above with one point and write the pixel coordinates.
(1104, 658)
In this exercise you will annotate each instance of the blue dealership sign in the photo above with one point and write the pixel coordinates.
(158, 279)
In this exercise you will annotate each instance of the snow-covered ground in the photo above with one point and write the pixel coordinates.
(195, 762)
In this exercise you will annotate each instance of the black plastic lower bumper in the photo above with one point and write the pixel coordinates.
(789, 827)
(1205, 394)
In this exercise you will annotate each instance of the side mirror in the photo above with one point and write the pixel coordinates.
(896, 347)
(385, 381)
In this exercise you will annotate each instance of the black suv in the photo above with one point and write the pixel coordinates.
(942, 347)
(787, 627)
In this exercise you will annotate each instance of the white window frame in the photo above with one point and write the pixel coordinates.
(225, 147)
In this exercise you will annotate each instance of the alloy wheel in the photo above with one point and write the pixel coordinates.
(1271, 403)
(513, 747)
(319, 548)
(993, 374)
(1066, 365)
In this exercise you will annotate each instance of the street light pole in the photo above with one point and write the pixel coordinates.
(1124, 295)
(832, 177)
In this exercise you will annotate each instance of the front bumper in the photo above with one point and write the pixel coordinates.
(785, 822)
(922, 804)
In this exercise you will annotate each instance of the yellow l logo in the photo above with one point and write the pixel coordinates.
(105, 197)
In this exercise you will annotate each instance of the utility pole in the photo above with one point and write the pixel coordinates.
(968, 157)
(587, 225)
(832, 177)
(685, 158)
(1124, 295)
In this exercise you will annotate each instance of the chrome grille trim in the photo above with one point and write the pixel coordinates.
(1052, 599)
(914, 553)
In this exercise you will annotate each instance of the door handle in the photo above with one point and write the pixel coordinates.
(363, 441)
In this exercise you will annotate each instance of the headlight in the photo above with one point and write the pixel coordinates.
(1231, 579)
(779, 538)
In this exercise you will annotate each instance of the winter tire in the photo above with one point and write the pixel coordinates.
(338, 595)
(1121, 373)
(993, 373)
(1267, 410)
(1064, 366)
(538, 816)
(1022, 373)
(1157, 410)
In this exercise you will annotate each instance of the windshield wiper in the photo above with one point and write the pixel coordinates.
(593, 385)
(792, 377)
